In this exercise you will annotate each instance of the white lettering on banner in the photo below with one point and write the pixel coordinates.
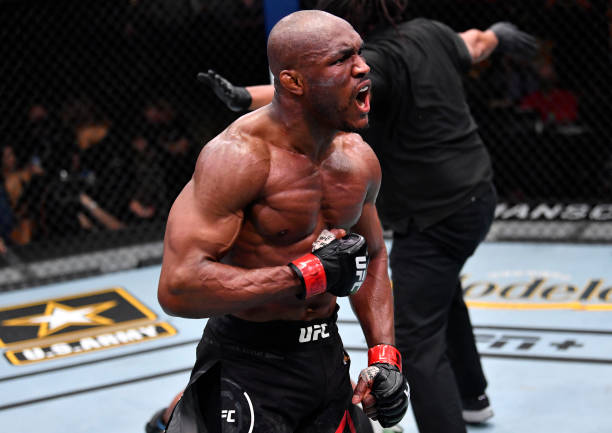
(546, 212)
(540, 287)
(149, 331)
(601, 212)
(552, 212)
(87, 344)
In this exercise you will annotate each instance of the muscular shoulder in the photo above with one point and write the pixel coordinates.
(360, 158)
(235, 146)
(357, 149)
(235, 163)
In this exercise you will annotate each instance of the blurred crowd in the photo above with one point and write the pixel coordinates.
(77, 171)
(102, 117)
(107, 122)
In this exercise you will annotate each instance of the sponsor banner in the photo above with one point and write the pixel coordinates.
(537, 289)
(553, 344)
(598, 212)
(60, 327)
(519, 342)
(62, 349)
(64, 316)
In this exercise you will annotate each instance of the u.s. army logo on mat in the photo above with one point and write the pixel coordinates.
(59, 327)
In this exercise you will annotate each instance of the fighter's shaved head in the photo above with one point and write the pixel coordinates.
(318, 71)
(300, 35)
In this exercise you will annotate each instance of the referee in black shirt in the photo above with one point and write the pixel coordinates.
(437, 195)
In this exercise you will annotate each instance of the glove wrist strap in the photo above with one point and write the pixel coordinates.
(310, 270)
(243, 98)
(385, 353)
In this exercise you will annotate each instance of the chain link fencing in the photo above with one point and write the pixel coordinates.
(101, 120)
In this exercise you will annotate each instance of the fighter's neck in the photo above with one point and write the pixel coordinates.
(303, 133)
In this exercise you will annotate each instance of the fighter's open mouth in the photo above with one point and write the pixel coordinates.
(363, 98)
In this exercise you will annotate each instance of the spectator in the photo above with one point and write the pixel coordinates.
(166, 133)
(18, 179)
(161, 120)
(179, 156)
(554, 105)
(97, 214)
(147, 190)
(88, 191)
(99, 160)
(7, 220)
(46, 139)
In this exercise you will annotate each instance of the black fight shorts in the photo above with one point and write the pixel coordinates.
(270, 377)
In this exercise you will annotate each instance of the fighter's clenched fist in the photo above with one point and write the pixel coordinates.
(338, 267)
(382, 388)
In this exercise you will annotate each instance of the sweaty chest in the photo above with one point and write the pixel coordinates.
(300, 199)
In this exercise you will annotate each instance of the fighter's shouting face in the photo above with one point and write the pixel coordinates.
(327, 70)
(336, 81)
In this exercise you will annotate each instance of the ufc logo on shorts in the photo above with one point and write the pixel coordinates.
(313, 332)
(361, 263)
(228, 415)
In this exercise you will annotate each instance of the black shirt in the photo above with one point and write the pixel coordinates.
(432, 158)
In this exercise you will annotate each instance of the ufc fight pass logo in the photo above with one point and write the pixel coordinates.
(361, 263)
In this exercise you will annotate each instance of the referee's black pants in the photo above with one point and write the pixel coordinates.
(432, 324)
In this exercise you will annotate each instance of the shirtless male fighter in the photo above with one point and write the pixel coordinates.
(278, 220)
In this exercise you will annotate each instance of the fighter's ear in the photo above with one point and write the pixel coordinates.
(292, 81)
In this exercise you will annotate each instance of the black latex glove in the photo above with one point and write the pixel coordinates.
(236, 98)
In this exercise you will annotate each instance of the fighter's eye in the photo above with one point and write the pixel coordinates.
(343, 58)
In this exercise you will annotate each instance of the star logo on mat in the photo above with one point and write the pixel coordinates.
(58, 316)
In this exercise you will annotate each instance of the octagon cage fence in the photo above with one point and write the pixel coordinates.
(102, 119)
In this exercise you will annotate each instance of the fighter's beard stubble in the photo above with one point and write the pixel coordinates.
(349, 128)
(342, 112)
(329, 111)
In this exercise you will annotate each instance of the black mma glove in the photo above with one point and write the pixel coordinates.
(388, 385)
(512, 40)
(235, 97)
(338, 267)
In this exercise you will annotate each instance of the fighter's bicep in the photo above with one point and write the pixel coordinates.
(372, 171)
(197, 231)
(208, 214)
(366, 163)
(370, 228)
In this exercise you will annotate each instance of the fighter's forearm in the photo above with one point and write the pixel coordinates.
(373, 303)
(213, 288)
